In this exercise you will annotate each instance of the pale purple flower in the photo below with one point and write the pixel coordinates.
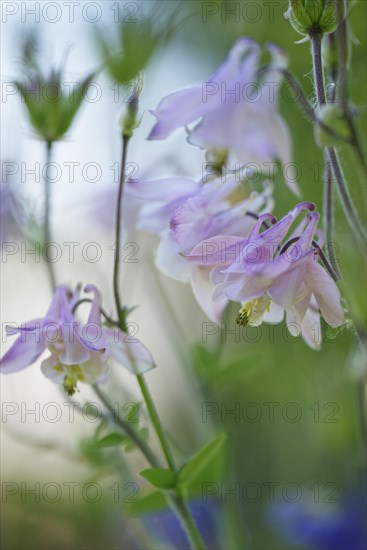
(191, 213)
(161, 198)
(270, 274)
(79, 352)
(236, 112)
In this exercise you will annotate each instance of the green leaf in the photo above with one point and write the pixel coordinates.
(149, 504)
(160, 477)
(200, 460)
(111, 440)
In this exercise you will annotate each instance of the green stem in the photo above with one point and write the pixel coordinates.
(177, 502)
(343, 88)
(156, 421)
(349, 209)
(116, 267)
(47, 215)
(140, 443)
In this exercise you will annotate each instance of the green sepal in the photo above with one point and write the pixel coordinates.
(160, 477)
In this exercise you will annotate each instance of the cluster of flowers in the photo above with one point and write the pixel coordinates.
(210, 234)
(214, 235)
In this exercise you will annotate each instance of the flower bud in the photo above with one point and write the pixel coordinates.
(130, 120)
(332, 117)
(313, 16)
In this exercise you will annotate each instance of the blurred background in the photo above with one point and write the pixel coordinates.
(294, 460)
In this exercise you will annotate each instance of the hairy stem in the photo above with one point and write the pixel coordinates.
(349, 209)
(343, 88)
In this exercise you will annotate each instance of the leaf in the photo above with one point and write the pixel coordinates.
(110, 440)
(160, 477)
(199, 461)
(130, 445)
(149, 504)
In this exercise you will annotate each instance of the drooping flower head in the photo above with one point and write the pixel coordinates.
(275, 271)
(236, 113)
(183, 213)
(79, 352)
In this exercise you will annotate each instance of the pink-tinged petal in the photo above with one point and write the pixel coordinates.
(303, 302)
(165, 189)
(129, 352)
(285, 288)
(245, 289)
(311, 329)
(178, 109)
(23, 353)
(221, 249)
(169, 260)
(203, 291)
(326, 293)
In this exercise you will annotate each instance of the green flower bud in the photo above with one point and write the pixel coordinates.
(50, 104)
(332, 116)
(313, 16)
(130, 120)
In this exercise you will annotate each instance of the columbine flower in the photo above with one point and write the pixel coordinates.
(79, 352)
(191, 213)
(270, 275)
(237, 112)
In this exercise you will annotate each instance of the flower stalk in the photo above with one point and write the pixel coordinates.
(47, 215)
(177, 501)
(349, 209)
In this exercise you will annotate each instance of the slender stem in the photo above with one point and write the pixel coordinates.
(116, 267)
(328, 202)
(349, 209)
(343, 88)
(177, 502)
(47, 215)
(89, 301)
(182, 511)
(308, 109)
(318, 67)
(156, 421)
(145, 449)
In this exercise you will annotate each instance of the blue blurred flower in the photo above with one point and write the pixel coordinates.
(323, 526)
(165, 526)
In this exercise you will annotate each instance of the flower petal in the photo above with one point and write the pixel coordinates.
(202, 288)
(169, 260)
(326, 293)
(23, 353)
(128, 351)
